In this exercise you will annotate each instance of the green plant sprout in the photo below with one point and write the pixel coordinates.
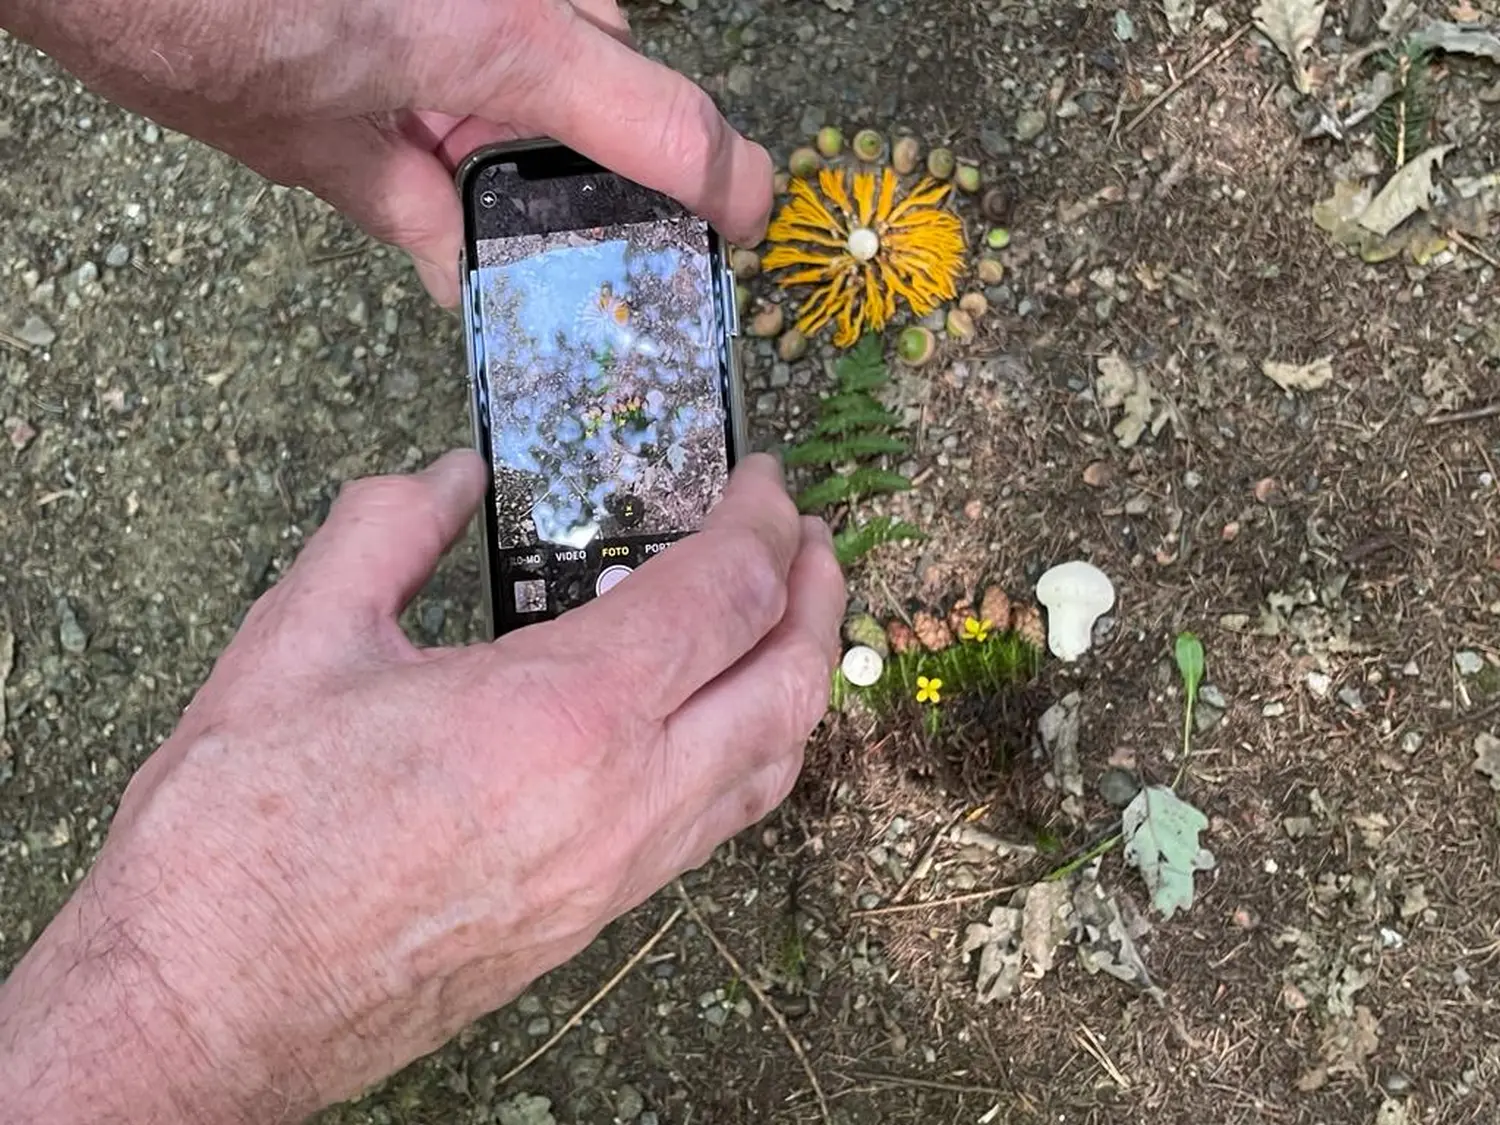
(1189, 653)
(852, 429)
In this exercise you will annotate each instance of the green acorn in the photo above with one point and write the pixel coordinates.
(868, 145)
(804, 163)
(830, 141)
(916, 345)
(966, 176)
(940, 163)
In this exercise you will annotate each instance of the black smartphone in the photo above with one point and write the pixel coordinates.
(601, 324)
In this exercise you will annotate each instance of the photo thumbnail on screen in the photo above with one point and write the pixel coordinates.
(606, 401)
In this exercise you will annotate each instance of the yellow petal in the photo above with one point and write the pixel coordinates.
(779, 256)
(864, 195)
(832, 183)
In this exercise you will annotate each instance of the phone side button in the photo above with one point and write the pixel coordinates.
(731, 303)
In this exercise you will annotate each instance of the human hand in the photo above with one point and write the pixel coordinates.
(372, 103)
(351, 847)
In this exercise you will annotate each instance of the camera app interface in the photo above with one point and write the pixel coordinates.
(606, 403)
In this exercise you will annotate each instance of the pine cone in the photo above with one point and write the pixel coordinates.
(934, 635)
(962, 610)
(1026, 620)
(994, 608)
(901, 637)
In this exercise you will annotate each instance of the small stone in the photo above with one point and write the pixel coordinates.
(584, 1071)
(20, 432)
(1191, 479)
(1211, 695)
(538, 1026)
(740, 81)
(1468, 662)
(118, 256)
(781, 376)
(768, 322)
(36, 332)
(69, 633)
(1411, 669)
(869, 900)
(1297, 826)
(1030, 124)
(716, 1015)
(1273, 710)
(791, 346)
(432, 618)
(629, 1103)
(1098, 474)
(1396, 1083)
(1118, 786)
(1351, 698)
(1206, 717)
(402, 384)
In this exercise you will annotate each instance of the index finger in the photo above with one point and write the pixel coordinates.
(652, 125)
(695, 609)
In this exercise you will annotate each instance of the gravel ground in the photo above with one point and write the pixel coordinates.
(195, 360)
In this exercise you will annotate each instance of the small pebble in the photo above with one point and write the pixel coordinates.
(628, 1103)
(1030, 124)
(538, 1026)
(716, 1015)
(1273, 710)
(118, 256)
(869, 900)
(1118, 786)
(1351, 698)
(1468, 662)
(1211, 695)
(69, 632)
(1318, 683)
(36, 332)
(1396, 1083)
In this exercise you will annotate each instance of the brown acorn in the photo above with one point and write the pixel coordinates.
(991, 271)
(905, 154)
(804, 163)
(974, 304)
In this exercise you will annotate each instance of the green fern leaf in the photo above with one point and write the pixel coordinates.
(863, 367)
(846, 449)
(828, 491)
(868, 482)
(856, 418)
(855, 542)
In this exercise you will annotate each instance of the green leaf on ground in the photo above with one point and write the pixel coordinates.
(825, 492)
(848, 449)
(1189, 653)
(868, 482)
(1161, 841)
(863, 366)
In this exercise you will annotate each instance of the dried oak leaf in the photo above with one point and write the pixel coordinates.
(1291, 25)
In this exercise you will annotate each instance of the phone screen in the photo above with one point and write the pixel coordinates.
(599, 347)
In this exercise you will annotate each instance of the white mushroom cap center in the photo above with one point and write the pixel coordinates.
(863, 244)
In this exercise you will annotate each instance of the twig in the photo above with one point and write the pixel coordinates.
(1478, 251)
(934, 903)
(1086, 1039)
(14, 342)
(1104, 845)
(925, 859)
(1192, 72)
(1463, 720)
(924, 1083)
(762, 999)
(1488, 410)
(573, 1021)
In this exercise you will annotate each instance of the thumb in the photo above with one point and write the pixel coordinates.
(385, 535)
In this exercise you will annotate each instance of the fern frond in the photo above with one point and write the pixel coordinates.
(858, 540)
(845, 449)
(869, 482)
(873, 416)
(863, 366)
(829, 490)
(1403, 119)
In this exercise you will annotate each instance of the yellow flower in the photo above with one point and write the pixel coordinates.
(860, 250)
(927, 690)
(976, 630)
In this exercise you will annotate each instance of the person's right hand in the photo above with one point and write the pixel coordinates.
(372, 103)
(351, 847)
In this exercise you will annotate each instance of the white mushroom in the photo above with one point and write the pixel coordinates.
(862, 666)
(1075, 594)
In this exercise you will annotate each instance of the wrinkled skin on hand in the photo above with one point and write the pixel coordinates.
(352, 846)
(372, 103)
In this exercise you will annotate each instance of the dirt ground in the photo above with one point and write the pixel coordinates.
(193, 360)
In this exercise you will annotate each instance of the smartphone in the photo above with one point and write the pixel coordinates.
(601, 330)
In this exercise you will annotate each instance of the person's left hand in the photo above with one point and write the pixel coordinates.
(372, 103)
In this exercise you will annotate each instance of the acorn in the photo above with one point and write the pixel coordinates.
(830, 141)
(967, 177)
(997, 238)
(940, 163)
(906, 153)
(768, 321)
(804, 163)
(744, 263)
(742, 298)
(781, 182)
(959, 324)
(791, 346)
(991, 271)
(916, 345)
(868, 145)
(995, 205)
(974, 304)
